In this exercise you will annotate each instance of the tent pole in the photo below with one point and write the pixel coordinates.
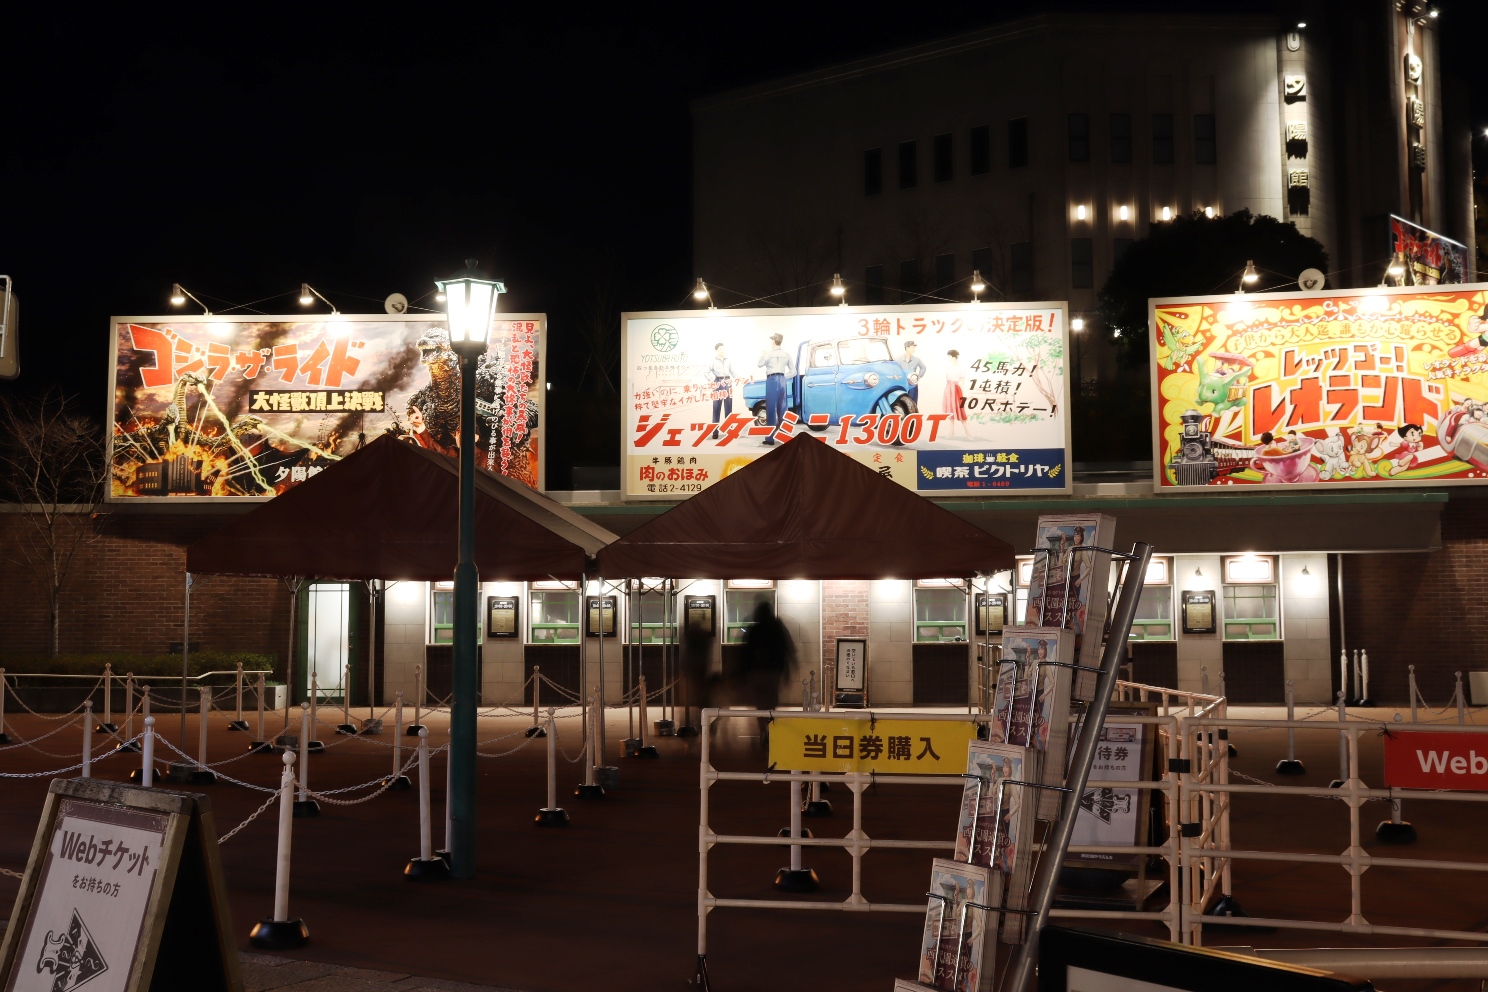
(294, 630)
(372, 597)
(185, 657)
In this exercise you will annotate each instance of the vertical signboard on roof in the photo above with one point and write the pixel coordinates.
(1431, 258)
(247, 407)
(963, 399)
(1381, 387)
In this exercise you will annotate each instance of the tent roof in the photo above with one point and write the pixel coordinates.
(806, 511)
(390, 511)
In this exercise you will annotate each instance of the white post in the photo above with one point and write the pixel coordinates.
(588, 740)
(145, 703)
(128, 705)
(108, 695)
(304, 751)
(1343, 739)
(314, 701)
(1461, 702)
(88, 739)
(795, 824)
(286, 833)
(1358, 677)
(1411, 679)
(449, 819)
(641, 683)
(426, 841)
(552, 761)
(1291, 715)
(536, 691)
(1364, 671)
(2, 705)
(238, 707)
(418, 695)
(1343, 678)
(201, 734)
(1204, 679)
(147, 769)
(398, 735)
(345, 701)
(260, 706)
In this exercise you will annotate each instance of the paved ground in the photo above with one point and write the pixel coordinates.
(611, 902)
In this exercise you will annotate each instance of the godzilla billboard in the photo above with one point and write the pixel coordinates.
(245, 407)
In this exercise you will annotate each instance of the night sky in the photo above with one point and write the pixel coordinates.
(241, 157)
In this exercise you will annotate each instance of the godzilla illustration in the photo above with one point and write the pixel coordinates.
(439, 402)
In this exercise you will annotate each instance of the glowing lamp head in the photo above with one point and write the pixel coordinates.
(700, 291)
(470, 304)
(1209, 212)
(1251, 275)
(1167, 213)
(978, 284)
(1080, 212)
(178, 295)
(838, 289)
(306, 297)
(1397, 265)
(1077, 324)
(1124, 212)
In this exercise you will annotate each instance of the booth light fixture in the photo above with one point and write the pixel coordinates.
(555, 585)
(1080, 212)
(1199, 572)
(1157, 572)
(1124, 212)
(751, 583)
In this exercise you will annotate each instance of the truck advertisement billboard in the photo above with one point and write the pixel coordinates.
(1376, 387)
(963, 399)
(243, 408)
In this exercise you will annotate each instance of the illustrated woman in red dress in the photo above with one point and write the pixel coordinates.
(955, 397)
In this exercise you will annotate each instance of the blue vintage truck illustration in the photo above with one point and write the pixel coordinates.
(843, 378)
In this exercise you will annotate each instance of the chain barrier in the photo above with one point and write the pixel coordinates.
(273, 798)
(386, 784)
(31, 743)
(11, 874)
(14, 694)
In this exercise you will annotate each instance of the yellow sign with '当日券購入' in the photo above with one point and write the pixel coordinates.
(852, 743)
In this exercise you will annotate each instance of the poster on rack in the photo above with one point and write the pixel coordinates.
(240, 408)
(958, 399)
(1361, 389)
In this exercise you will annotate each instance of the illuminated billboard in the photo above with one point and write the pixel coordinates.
(1378, 387)
(243, 408)
(963, 399)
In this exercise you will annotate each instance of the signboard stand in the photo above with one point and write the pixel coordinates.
(123, 891)
(852, 673)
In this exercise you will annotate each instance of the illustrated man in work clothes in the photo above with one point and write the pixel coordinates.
(722, 370)
(914, 368)
(777, 365)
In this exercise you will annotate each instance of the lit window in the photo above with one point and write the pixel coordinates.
(1251, 603)
(555, 613)
(940, 610)
(741, 599)
(1154, 619)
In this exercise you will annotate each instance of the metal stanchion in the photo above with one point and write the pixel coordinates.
(107, 726)
(552, 815)
(313, 727)
(4, 737)
(1290, 765)
(238, 724)
(426, 867)
(418, 702)
(397, 781)
(589, 789)
(1414, 692)
(201, 774)
(449, 818)
(146, 770)
(1343, 670)
(795, 878)
(536, 729)
(1461, 701)
(279, 931)
(88, 739)
(304, 805)
(1343, 766)
(128, 743)
(259, 742)
(1364, 699)
(643, 750)
(346, 726)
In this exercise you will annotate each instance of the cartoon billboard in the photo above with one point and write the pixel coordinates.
(1379, 387)
(246, 407)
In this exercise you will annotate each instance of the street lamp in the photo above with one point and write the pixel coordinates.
(470, 302)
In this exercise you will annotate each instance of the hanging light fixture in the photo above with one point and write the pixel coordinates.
(978, 285)
(838, 289)
(700, 291)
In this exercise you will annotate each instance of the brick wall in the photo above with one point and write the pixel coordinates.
(125, 592)
(844, 612)
(1421, 609)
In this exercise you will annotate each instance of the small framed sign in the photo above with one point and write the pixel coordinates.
(852, 672)
(501, 616)
(991, 612)
(123, 893)
(1198, 611)
(600, 610)
(700, 612)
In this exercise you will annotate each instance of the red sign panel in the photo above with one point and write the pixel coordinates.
(1425, 760)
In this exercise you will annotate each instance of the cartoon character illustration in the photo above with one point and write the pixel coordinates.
(1332, 452)
(1182, 346)
(1222, 380)
(1363, 443)
(1403, 456)
(1477, 337)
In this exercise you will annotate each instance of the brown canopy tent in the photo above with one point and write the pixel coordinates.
(806, 511)
(389, 511)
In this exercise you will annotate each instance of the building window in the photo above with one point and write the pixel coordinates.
(940, 610)
(1121, 142)
(980, 142)
(555, 613)
(873, 280)
(873, 172)
(1154, 620)
(1023, 578)
(1162, 138)
(981, 261)
(1079, 137)
(1020, 270)
(1250, 599)
(945, 273)
(741, 599)
(1018, 143)
(442, 613)
(909, 164)
(945, 168)
(1082, 263)
(648, 625)
(909, 280)
(1204, 148)
(1118, 248)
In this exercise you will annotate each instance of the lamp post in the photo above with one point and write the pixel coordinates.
(470, 302)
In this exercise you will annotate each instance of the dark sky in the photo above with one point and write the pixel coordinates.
(243, 156)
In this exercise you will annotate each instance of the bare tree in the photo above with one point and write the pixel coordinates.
(52, 464)
(998, 229)
(795, 261)
(599, 331)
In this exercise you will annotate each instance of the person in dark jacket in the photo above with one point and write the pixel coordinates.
(769, 654)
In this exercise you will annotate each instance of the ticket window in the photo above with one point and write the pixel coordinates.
(1252, 604)
(741, 597)
(555, 613)
(648, 623)
(940, 610)
(442, 613)
(1154, 619)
